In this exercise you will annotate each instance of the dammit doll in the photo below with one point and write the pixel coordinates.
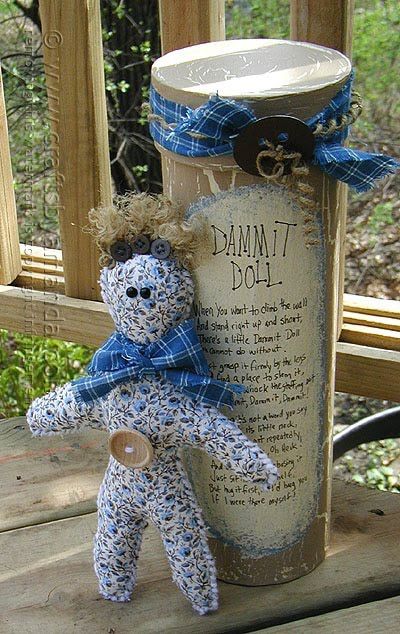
(151, 379)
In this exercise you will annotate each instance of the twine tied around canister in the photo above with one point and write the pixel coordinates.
(156, 118)
(284, 161)
(287, 167)
(342, 121)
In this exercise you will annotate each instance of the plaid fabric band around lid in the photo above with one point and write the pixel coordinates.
(211, 130)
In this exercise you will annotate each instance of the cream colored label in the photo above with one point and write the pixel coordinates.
(259, 313)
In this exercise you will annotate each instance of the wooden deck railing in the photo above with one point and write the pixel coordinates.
(73, 62)
(50, 292)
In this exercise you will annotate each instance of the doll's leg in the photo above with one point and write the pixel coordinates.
(180, 522)
(116, 546)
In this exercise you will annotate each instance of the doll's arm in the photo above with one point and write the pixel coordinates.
(59, 412)
(208, 429)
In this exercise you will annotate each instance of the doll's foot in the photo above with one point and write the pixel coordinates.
(119, 597)
(112, 590)
(207, 607)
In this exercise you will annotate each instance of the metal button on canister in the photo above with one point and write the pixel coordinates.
(130, 448)
(289, 132)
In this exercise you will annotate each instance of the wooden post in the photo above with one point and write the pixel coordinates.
(187, 22)
(73, 57)
(10, 258)
(329, 24)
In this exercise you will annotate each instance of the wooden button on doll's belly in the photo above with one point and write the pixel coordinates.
(130, 448)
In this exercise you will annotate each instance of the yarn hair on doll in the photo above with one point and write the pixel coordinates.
(156, 217)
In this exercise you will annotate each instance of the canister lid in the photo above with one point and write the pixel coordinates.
(271, 76)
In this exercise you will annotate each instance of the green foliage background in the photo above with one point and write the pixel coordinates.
(31, 366)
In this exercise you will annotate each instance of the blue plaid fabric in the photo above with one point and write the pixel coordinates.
(221, 120)
(178, 357)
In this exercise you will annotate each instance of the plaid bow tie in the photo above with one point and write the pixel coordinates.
(178, 357)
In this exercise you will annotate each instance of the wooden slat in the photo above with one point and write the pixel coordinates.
(358, 309)
(357, 304)
(365, 311)
(364, 319)
(363, 370)
(372, 306)
(74, 68)
(187, 22)
(370, 336)
(10, 259)
(44, 479)
(33, 253)
(328, 23)
(53, 315)
(42, 267)
(48, 584)
(38, 281)
(384, 615)
(370, 372)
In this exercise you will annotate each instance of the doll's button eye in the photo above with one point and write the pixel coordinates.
(121, 251)
(160, 249)
(145, 293)
(141, 244)
(131, 291)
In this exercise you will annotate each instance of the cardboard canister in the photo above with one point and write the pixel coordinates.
(266, 303)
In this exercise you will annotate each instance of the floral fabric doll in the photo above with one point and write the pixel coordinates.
(150, 387)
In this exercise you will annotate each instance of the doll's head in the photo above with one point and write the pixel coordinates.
(147, 251)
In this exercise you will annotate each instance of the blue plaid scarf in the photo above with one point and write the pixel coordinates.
(221, 120)
(177, 357)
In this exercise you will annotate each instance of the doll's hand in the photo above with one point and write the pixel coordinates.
(236, 451)
(222, 439)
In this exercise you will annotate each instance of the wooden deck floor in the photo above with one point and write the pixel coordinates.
(47, 583)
